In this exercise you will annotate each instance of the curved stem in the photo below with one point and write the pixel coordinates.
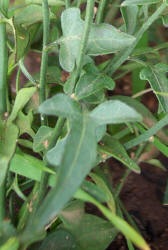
(3, 68)
(85, 36)
(100, 11)
(119, 59)
(44, 60)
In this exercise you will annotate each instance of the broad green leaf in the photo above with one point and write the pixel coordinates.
(119, 223)
(24, 123)
(114, 111)
(88, 84)
(95, 191)
(139, 2)
(4, 4)
(115, 149)
(28, 166)
(21, 100)
(8, 139)
(101, 183)
(7, 231)
(130, 14)
(42, 138)
(29, 15)
(60, 105)
(59, 240)
(96, 98)
(100, 132)
(76, 163)
(156, 75)
(50, 2)
(55, 155)
(72, 214)
(103, 39)
(148, 117)
(93, 233)
(22, 39)
(12, 244)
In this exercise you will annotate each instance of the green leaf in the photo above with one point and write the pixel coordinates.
(156, 75)
(50, 2)
(114, 111)
(119, 223)
(55, 155)
(130, 14)
(115, 149)
(148, 117)
(21, 100)
(12, 244)
(8, 139)
(76, 163)
(24, 123)
(101, 183)
(95, 191)
(4, 4)
(100, 132)
(28, 166)
(29, 15)
(42, 138)
(72, 214)
(59, 240)
(139, 2)
(93, 233)
(22, 39)
(60, 105)
(7, 231)
(147, 134)
(103, 39)
(88, 84)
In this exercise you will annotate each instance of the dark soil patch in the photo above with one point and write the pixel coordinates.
(142, 195)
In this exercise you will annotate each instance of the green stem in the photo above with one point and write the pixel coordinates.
(44, 178)
(85, 36)
(100, 12)
(44, 60)
(18, 80)
(3, 68)
(2, 201)
(119, 59)
(67, 4)
(128, 172)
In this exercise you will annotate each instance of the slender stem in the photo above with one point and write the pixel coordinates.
(85, 36)
(116, 62)
(18, 80)
(2, 200)
(100, 12)
(3, 68)
(67, 4)
(127, 172)
(44, 60)
(78, 3)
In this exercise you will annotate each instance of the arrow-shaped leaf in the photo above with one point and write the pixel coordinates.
(76, 163)
(103, 39)
(156, 76)
(114, 111)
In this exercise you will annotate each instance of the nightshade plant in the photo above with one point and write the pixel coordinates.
(53, 155)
